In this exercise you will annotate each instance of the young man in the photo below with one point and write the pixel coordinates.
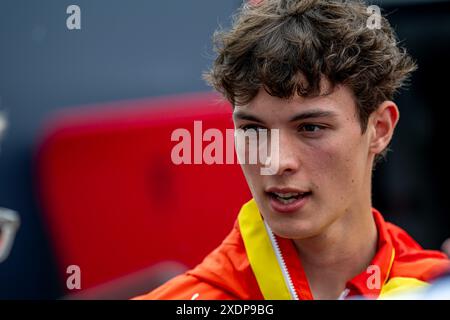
(316, 71)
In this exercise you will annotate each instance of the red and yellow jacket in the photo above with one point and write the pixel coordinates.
(253, 263)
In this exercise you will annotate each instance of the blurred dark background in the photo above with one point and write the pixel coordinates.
(139, 48)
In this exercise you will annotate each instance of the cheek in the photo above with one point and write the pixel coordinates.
(252, 175)
(335, 166)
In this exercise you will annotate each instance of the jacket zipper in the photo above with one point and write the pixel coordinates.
(282, 263)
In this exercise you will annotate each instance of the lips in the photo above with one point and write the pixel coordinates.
(287, 200)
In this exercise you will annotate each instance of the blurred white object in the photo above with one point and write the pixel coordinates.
(9, 219)
(9, 223)
(446, 247)
(3, 124)
(438, 290)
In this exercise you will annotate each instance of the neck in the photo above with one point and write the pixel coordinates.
(340, 253)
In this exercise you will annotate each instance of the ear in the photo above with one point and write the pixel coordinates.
(383, 122)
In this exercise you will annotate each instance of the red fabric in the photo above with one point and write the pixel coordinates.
(227, 274)
(295, 268)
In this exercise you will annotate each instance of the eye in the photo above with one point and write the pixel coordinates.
(310, 128)
(252, 127)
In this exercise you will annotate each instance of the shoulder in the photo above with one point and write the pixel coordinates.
(412, 261)
(186, 287)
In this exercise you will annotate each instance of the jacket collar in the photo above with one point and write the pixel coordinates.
(370, 282)
(268, 270)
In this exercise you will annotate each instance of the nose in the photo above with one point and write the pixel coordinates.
(289, 162)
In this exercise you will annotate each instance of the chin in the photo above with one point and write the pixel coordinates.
(301, 224)
(293, 229)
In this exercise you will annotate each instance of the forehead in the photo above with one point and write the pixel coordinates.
(339, 101)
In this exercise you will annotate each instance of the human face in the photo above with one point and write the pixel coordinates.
(324, 159)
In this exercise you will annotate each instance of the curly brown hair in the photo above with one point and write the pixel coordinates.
(274, 43)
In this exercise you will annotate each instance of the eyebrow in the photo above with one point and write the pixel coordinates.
(311, 114)
(246, 116)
